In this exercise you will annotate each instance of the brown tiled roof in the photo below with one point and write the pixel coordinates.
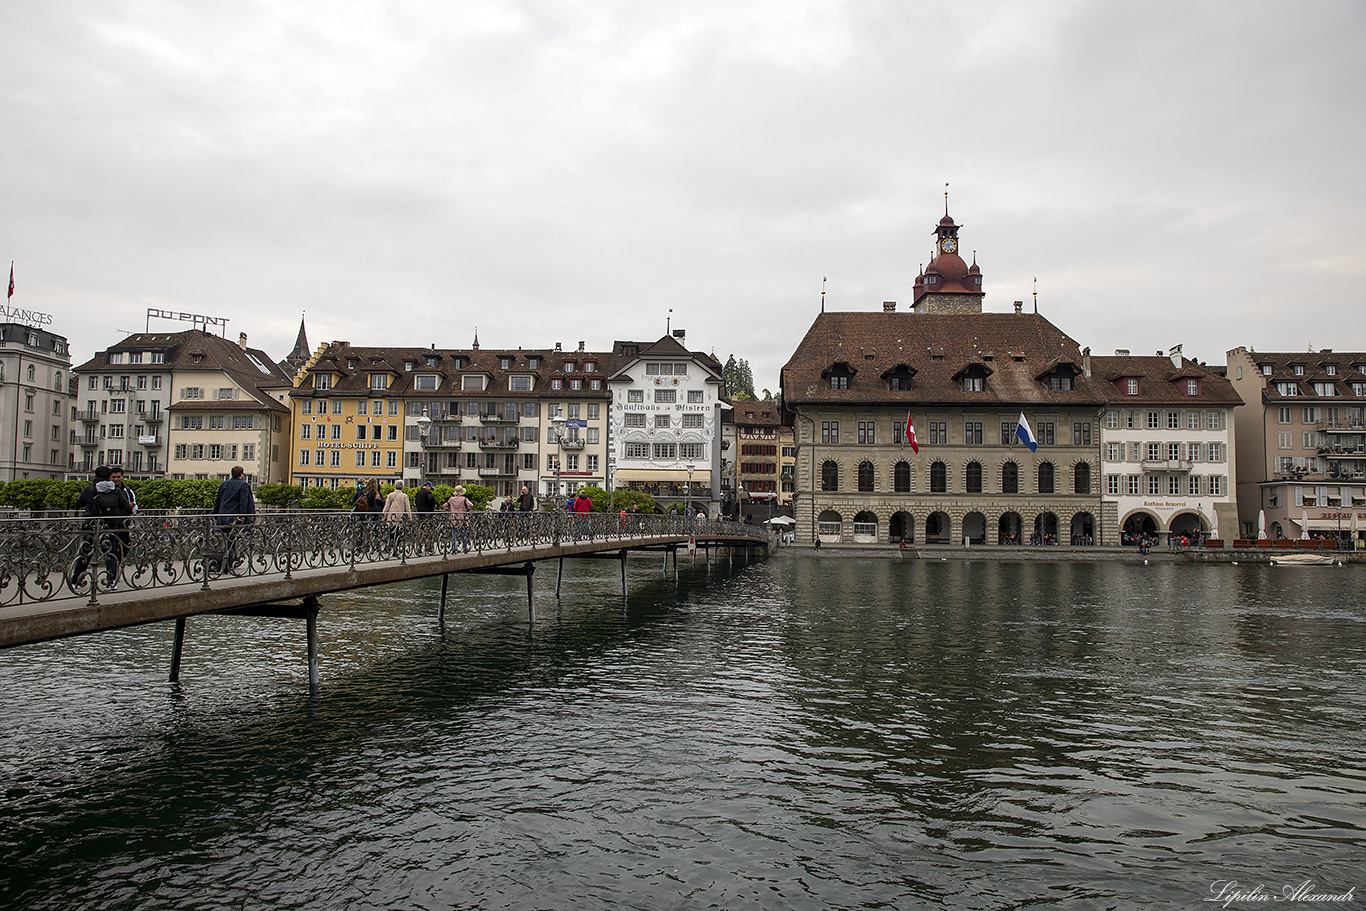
(355, 381)
(250, 368)
(757, 413)
(1161, 381)
(1016, 346)
(668, 346)
(1350, 368)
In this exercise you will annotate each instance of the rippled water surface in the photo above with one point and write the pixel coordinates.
(795, 733)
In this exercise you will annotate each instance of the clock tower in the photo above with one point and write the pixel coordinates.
(948, 284)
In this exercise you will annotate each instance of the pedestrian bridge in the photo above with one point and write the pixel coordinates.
(55, 572)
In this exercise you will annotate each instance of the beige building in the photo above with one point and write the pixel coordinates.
(182, 405)
(35, 395)
(1301, 440)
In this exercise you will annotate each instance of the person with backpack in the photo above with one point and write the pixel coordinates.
(106, 511)
(233, 508)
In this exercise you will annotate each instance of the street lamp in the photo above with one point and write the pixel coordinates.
(424, 428)
(557, 422)
(687, 497)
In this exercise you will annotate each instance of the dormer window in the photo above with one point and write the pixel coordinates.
(838, 375)
(629, 350)
(1287, 389)
(1325, 389)
(379, 381)
(519, 383)
(590, 366)
(1192, 387)
(1059, 383)
(472, 382)
(973, 377)
(1132, 386)
(461, 362)
(409, 365)
(1266, 369)
(351, 363)
(568, 366)
(432, 361)
(322, 381)
(425, 382)
(1330, 369)
(1297, 369)
(899, 378)
(504, 363)
(196, 358)
(533, 363)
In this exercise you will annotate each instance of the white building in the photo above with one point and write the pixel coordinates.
(666, 422)
(1167, 446)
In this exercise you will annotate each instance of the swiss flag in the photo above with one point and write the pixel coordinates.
(910, 434)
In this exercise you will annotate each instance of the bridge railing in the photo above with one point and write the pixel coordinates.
(43, 559)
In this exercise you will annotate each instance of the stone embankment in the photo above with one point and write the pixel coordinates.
(1050, 554)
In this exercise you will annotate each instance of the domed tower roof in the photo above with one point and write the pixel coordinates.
(949, 285)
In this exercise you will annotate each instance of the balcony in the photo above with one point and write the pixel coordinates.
(151, 417)
(1342, 426)
(496, 445)
(1171, 466)
(444, 417)
(497, 419)
(435, 442)
(87, 441)
(447, 471)
(89, 415)
(571, 444)
(1343, 452)
(149, 439)
(502, 471)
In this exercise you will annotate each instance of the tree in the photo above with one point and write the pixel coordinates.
(739, 380)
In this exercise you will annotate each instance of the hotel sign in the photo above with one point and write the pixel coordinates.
(20, 315)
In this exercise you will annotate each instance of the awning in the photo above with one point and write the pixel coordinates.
(700, 476)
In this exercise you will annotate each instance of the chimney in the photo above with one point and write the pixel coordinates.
(1019, 306)
(1121, 352)
(581, 346)
(1086, 362)
(889, 306)
(242, 341)
(557, 347)
(1175, 355)
(680, 334)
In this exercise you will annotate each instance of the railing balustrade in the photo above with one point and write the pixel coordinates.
(51, 557)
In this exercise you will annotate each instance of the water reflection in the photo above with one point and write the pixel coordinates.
(796, 733)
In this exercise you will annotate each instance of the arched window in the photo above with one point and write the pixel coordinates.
(1045, 477)
(865, 477)
(901, 478)
(830, 476)
(1082, 478)
(1010, 478)
(974, 477)
(939, 478)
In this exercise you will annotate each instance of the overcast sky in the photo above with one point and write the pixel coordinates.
(1171, 172)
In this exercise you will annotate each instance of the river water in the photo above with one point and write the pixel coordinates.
(801, 732)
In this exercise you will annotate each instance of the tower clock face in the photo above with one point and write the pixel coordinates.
(949, 245)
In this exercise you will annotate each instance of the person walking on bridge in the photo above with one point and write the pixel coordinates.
(233, 508)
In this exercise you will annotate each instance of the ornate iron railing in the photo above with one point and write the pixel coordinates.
(44, 559)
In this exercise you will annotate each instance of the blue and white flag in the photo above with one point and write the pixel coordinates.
(1026, 434)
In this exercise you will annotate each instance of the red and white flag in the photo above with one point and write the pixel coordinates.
(910, 434)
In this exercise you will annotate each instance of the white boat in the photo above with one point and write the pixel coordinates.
(1303, 560)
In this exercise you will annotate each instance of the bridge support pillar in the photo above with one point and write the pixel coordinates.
(441, 611)
(623, 577)
(311, 625)
(559, 575)
(176, 648)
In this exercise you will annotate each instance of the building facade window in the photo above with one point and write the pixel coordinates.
(830, 476)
